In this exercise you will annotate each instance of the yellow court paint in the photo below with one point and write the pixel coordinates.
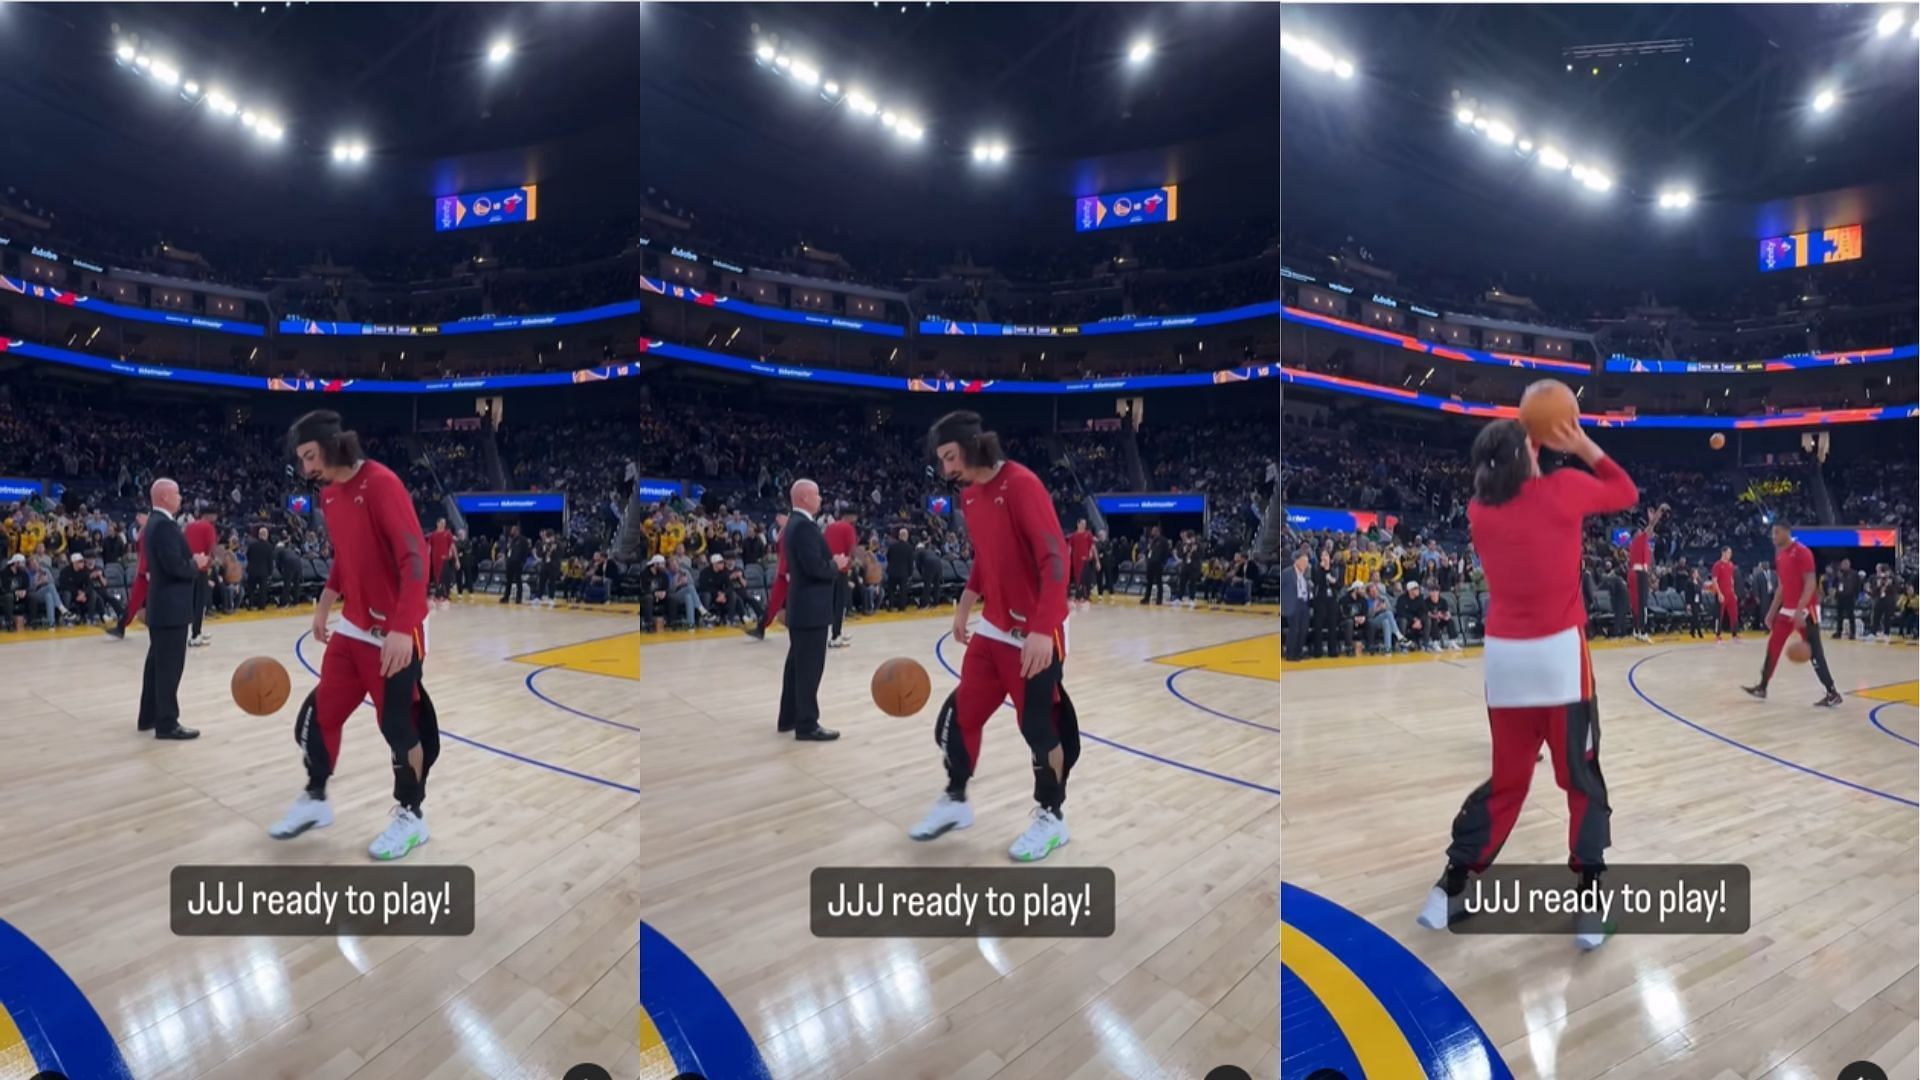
(1378, 1042)
(1254, 657)
(1908, 692)
(16, 1059)
(617, 656)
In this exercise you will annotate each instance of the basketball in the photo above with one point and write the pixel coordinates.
(1799, 651)
(260, 686)
(1547, 405)
(901, 687)
(1718, 441)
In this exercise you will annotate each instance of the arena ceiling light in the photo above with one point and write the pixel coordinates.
(1140, 51)
(1318, 57)
(167, 75)
(1825, 99)
(1508, 135)
(350, 151)
(990, 151)
(1675, 198)
(808, 75)
(1891, 20)
(499, 51)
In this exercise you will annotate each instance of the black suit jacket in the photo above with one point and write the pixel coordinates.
(810, 575)
(170, 573)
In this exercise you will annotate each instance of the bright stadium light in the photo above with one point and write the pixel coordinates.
(165, 73)
(765, 53)
(1580, 172)
(1464, 115)
(981, 151)
(1890, 22)
(340, 152)
(1480, 123)
(832, 89)
(783, 61)
(498, 52)
(1343, 68)
(268, 128)
(221, 102)
(887, 119)
(1826, 99)
(1597, 180)
(1526, 146)
(1551, 157)
(125, 53)
(1675, 198)
(911, 130)
(191, 90)
(143, 61)
(805, 74)
(1139, 51)
(1501, 134)
(998, 153)
(248, 120)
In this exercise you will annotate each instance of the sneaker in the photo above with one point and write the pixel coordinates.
(306, 813)
(947, 814)
(837, 643)
(405, 832)
(1590, 933)
(756, 633)
(196, 642)
(1046, 832)
(1441, 909)
(1758, 690)
(1833, 698)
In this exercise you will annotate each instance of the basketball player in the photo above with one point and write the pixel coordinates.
(1640, 572)
(137, 598)
(380, 570)
(1728, 613)
(439, 554)
(1794, 564)
(1020, 569)
(1539, 678)
(1080, 548)
(777, 596)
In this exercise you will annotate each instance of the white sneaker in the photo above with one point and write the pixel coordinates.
(838, 643)
(1043, 834)
(947, 814)
(403, 833)
(1456, 646)
(1590, 933)
(1440, 908)
(306, 813)
(196, 642)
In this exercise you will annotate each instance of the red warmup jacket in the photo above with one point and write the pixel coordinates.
(1723, 581)
(379, 554)
(439, 546)
(1019, 554)
(201, 536)
(1529, 547)
(841, 539)
(1080, 546)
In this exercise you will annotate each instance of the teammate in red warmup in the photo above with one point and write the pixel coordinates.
(201, 538)
(1640, 572)
(777, 597)
(841, 540)
(439, 552)
(1795, 608)
(376, 650)
(1729, 610)
(1019, 647)
(136, 599)
(1080, 552)
(1527, 529)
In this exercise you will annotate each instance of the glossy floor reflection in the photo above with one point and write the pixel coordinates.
(1819, 804)
(1181, 803)
(542, 804)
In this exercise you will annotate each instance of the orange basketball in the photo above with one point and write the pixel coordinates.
(261, 686)
(901, 687)
(1718, 441)
(1799, 651)
(1547, 405)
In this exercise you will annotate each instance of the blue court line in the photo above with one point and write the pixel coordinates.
(1635, 685)
(568, 708)
(1215, 712)
(1312, 1036)
(62, 1030)
(477, 744)
(1118, 745)
(1438, 1027)
(1874, 718)
(701, 1031)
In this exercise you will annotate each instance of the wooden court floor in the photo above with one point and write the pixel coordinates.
(1176, 791)
(536, 789)
(1820, 804)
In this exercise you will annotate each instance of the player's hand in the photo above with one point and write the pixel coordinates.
(395, 654)
(961, 635)
(841, 561)
(320, 632)
(200, 560)
(1036, 655)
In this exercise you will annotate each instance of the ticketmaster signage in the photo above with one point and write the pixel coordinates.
(14, 490)
(1153, 504)
(530, 502)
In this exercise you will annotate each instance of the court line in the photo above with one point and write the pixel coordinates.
(1232, 641)
(1635, 686)
(1215, 712)
(693, 1018)
(477, 744)
(532, 675)
(58, 1026)
(522, 658)
(938, 655)
(1874, 719)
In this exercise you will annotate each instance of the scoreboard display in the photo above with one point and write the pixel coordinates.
(1154, 206)
(1840, 244)
(510, 206)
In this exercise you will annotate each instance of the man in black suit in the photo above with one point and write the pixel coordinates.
(172, 570)
(516, 549)
(1157, 550)
(899, 570)
(811, 573)
(259, 569)
(1296, 606)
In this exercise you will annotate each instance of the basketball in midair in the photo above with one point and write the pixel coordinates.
(1546, 406)
(260, 686)
(901, 687)
(1799, 651)
(1718, 442)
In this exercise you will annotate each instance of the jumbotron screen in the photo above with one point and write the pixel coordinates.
(1154, 206)
(510, 206)
(1840, 244)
